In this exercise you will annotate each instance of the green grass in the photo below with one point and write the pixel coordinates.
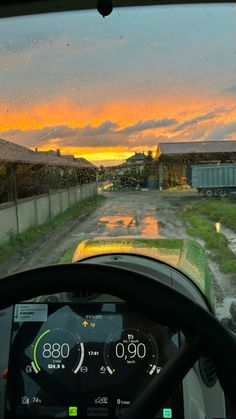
(218, 211)
(18, 242)
(67, 257)
(217, 243)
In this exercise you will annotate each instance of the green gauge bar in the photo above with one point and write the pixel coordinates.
(35, 348)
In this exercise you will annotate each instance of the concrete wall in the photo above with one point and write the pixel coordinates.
(29, 212)
(78, 194)
(64, 200)
(43, 210)
(26, 214)
(72, 196)
(55, 203)
(8, 221)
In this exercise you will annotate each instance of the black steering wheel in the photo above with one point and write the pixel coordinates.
(204, 334)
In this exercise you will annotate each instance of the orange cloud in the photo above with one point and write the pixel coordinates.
(64, 111)
(60, 110)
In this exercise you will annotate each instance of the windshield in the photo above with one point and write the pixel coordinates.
(120, 128)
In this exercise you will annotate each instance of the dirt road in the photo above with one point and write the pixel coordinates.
(134, 214)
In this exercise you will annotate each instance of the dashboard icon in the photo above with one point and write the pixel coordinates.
(25, 400)
(101, 400)
(73, 411)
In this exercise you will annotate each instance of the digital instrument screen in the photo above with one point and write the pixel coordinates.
(85, 360)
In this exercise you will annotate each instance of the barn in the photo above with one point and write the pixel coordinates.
(175, 159)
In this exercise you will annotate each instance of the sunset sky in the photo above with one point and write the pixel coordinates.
(104, 88)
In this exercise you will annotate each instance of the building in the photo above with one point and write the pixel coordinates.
(175, 159)
(139, 170)
(24, 172)
(137, 159)
(134, 164)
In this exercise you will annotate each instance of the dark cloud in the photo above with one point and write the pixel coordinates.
(223, 132)
(106, 134)
(75, 136)
(49, 133)
(196, 120)
(150, 124)
(104, 128)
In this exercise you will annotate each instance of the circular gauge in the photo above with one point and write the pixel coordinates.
(131, 348)
(57, 350)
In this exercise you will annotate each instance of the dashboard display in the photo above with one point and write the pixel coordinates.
(85, 360)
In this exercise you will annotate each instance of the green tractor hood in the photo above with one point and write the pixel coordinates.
(186, 256)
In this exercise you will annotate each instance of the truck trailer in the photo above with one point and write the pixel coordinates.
(214, 179)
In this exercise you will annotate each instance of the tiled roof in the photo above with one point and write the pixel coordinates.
(198, 147)
(69, 157)
(81, 160)
(14, 153)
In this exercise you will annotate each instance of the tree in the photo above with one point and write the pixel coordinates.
(150, 156)
(101, 172)
(150, 168)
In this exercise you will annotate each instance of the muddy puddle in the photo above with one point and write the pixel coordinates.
(145, 226)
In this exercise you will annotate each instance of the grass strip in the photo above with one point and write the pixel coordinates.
(18, 242)
(67, 257)
(222, 212)
(217, 243)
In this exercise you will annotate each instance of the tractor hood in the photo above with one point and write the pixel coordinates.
(186, 256)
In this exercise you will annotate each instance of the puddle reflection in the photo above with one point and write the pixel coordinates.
(145, 227)
(115, 221)
(149, 227)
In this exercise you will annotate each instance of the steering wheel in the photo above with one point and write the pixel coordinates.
(204, 334)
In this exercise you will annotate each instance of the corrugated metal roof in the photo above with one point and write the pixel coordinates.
(198, 147)
(14, 153)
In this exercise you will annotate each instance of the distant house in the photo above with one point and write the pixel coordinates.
(134, 163)
(56, 158)
(137, 159)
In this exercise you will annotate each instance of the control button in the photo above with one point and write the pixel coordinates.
(25, 400)
(28, 369)
(101, 400)
(103, 370)
(83, 369)
(167, 413)
(73, 411)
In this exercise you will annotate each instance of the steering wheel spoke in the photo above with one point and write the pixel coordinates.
(163, 385)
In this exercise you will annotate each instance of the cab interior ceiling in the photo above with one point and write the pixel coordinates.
(10, 8)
